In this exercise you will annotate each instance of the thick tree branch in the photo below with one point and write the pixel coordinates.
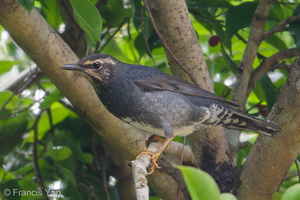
(271, 157)
(239, 94)
(168, 50)
(255, 39)
(173, 23)
(268, 64)
(45, 47)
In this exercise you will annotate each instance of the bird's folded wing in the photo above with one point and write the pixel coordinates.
(171, 83)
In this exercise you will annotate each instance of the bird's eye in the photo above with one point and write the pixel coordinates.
(96, 65)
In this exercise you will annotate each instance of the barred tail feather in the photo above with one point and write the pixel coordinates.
(246, 122)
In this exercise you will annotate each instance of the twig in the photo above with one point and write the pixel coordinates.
(268, 64)
(139, 171)
(281, 26)
(298, 171)
(145, 38)
(167, 47)
(116, 31)
(105, 181)
(35, 156)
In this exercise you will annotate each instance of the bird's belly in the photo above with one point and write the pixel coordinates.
(178, 131)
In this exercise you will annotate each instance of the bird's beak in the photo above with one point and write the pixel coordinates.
(72, 67)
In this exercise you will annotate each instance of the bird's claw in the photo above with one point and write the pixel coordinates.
(154, 157)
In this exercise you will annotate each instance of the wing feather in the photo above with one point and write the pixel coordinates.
(174, 84)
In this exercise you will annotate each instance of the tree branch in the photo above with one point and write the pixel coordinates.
(191, 76)
(239, 93)
(279, 151)
(281, 26)
(268, 64)
(255, 39)
(45, 47)
(174, 24)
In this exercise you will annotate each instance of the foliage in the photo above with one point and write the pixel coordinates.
(45, 144)
(202, 186)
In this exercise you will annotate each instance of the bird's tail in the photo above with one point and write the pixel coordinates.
(246, 122)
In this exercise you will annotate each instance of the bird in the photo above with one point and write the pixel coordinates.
(161, 104)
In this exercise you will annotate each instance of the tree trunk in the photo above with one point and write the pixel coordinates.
(271, 157)
(180, 41)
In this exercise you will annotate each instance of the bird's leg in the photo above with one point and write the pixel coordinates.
(155, 156)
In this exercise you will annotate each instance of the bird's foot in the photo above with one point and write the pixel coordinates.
(154, 155)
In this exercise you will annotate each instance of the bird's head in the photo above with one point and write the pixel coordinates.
(98, 66)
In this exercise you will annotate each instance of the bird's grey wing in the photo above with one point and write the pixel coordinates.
(171, 83)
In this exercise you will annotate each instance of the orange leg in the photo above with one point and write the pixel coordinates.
(154, 156)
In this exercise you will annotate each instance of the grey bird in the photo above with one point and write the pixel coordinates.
(161, 104)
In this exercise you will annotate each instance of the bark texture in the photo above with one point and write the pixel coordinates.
(271, 157)
(174, 25)
(46, 48)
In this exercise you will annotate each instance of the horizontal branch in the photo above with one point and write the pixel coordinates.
(281, 26)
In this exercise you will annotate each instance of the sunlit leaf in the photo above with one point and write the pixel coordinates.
(6, 66)
(200, 184)
(227, 196)
(4, 97)
(292, 193)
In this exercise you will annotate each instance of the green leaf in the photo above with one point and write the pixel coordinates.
(232, 65)
(52, 97)
(87, 158)
(270, 91)
(53, 13)
(58, 153)
(227, 196)
(6, 66)
(277, 196)
(137, 9)
(276, 42)
(277, 12)
(58, 113)
(114, 13)
(292, 193)
(200, 184)
(12, 126)
(27, 4)
(208, 3)
(4, 97)
(295, 27)
(7, 188)
(244, 13)
(88, 18)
